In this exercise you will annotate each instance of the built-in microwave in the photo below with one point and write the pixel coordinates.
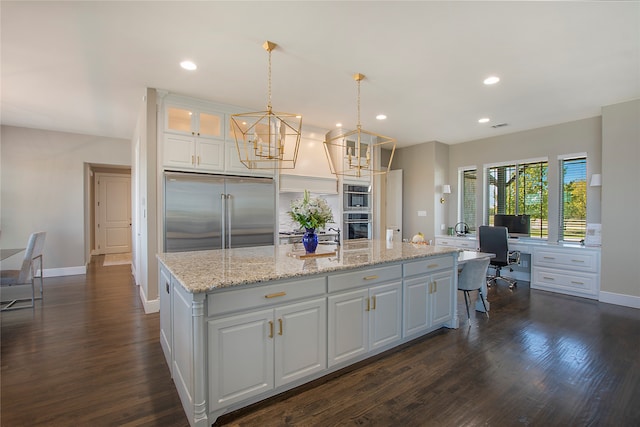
(356, 197)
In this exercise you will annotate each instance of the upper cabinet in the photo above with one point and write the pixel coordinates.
(193, 121)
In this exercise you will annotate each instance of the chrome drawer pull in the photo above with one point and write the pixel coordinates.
(577, 260)
(370, 277)
(277, 294)
(549, 257)
(577, 283)
(548, 278)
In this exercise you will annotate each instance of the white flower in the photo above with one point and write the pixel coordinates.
(311, 212)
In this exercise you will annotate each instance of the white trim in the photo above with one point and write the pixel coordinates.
(619, 299)
(572, 156)
(65, 271)
(516, 162)
(152, 306)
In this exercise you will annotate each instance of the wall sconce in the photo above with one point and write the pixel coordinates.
(596, 180)
(446, 189)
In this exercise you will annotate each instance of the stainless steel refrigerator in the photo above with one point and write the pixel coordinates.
(215, 212)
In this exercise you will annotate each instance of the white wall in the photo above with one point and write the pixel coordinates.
(42, 188)
(621, 202)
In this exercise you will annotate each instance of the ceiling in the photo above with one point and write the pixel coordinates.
(82, 66)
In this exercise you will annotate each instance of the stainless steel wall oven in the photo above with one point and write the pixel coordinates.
(357, 225)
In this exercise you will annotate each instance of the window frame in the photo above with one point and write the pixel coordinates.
(560, 191)
(516, 164)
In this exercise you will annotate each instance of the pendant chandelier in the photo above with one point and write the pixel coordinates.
(356, 153)
(267, 139)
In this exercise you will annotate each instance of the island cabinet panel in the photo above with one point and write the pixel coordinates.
(364, 320)
(261, 296)
(166, 335)
(428, 297)
(240, 357)
(252, 353)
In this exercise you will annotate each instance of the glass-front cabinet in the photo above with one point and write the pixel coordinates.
(194, 122)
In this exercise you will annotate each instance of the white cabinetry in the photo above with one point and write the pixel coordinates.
(365, 319)
(573, 271)
(192, 121)
(194, 138)
(253, 352)
(166, 335)
(194, 153)
(429, 294)
(470, 244)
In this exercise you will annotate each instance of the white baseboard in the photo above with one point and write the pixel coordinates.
(619, 299)
(152, 306)
(65, 271)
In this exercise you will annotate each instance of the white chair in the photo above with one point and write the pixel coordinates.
(471, 278)
(26, 275)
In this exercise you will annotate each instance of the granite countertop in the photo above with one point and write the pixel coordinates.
(203, 271)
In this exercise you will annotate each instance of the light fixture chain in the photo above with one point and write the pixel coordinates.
(269, 86)
(358, 103)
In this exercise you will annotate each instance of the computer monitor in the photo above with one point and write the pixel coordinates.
(518, 225)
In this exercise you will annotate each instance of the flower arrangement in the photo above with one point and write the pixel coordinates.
(311, 212)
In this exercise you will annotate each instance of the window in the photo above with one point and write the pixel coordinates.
(520, 189)
(573, 199)
(468, 204)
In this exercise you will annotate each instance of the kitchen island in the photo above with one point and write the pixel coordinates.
(240, 325)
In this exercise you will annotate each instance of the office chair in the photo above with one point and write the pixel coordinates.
(471, 278)
(26, 274)
(495, 240)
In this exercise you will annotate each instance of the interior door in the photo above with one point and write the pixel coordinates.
(394, 203)
(113, 225)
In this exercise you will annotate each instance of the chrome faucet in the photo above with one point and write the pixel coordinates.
(337, 230)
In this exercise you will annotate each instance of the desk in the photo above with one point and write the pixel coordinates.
(567, 268)
(6, 253)
(464, 256)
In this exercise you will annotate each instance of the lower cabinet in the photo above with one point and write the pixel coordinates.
(254, 352)
(429, 295)
(572, 271)
(363, 320)
(428, 301)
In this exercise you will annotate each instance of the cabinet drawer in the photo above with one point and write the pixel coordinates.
(243, 299)
(367, 277)
(570, 260)
(573, 283)
(426, 266)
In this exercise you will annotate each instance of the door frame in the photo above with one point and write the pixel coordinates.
(90, 171)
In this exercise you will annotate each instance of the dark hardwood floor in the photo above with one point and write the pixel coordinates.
(89, 356)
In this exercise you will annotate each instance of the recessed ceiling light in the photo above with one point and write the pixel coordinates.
(338, 125)
(491, 80)
(381, 117)
(188, 65)
(484, 120)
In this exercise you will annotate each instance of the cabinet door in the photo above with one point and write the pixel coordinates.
(348, 327)
(210, 155)
(300, 340)
(210, 125)
(164, 289)
(441, 297)
(240, 357)
(179, 119)
(179, 151)
(416, 298)
(385, 314)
